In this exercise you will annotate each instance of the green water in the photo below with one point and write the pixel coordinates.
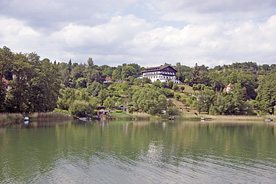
(137, 152)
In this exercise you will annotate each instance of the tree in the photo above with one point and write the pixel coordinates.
(81, 108)
(108, 103)
(128, 71)
(163, 85)
(117, 73)
(6, 61)
(177, 96)
(157, 83)
(182, 88)
(172, 111)
(2, 95)
(175, 87)
(195, 75)
(267, 93)
(102, 96)
(94, 88)
(149, 100)
(90, 63)
(195, 87)
(170, 84)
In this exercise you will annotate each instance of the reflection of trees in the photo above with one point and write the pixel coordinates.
(39, 149)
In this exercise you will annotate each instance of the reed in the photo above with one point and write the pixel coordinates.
(50, 115)
(10, 117)
(14, 117)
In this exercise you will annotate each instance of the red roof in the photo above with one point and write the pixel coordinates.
(230, 85)
(5, 81)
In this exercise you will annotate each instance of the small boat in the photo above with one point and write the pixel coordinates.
(206, 119)
(26, 118)
(269, 119)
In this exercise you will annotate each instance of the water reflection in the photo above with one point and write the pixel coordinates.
(127, 151)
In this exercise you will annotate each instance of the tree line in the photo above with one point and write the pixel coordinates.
(39, 85)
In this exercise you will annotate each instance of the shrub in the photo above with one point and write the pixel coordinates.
(173, 111)
(175, 87)
(80, 108)
(170, 84)
(177, 96)
(131, 110)
(118, 111)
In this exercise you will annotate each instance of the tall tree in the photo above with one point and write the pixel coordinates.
(267, 93)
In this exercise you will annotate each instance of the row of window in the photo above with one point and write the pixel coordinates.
(161, 77)
(169, 73)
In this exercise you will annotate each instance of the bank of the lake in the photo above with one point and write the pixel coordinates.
(6, 118)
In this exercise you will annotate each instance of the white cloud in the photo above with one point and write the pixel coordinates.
(207, 37)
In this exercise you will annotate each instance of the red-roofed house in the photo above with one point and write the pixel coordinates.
(7, 84)
(109, 80)
(228, 88)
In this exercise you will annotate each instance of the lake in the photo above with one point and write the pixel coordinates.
(138, 152)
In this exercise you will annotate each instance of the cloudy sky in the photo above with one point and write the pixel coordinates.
(147, 32)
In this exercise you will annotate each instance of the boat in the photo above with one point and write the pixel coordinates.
(206, 119)
(269, 119)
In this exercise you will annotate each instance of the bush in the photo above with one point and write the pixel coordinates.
(177, 96)
(170, 84)
(80, 108)
(182, 88)
(118, 111)
(131, 110)
(175, 87)
(173, 111)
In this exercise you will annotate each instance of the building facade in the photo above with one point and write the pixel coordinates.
(162, 73)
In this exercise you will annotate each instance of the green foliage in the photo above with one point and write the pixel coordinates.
(248, 81)
(170, 84)
(182, 88)
(175, 87)
(108, 103)
(177, 96)
(94, 88)
(169, 103)
(131, 110)
(37, 84)
(163, 85)
(231, 103)
(81, 108)
(149, 100)
(195, 87)
(267, 93)
(173, 111)
(81, 83)
(157, 83)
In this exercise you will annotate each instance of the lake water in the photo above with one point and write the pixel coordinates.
(138, 152)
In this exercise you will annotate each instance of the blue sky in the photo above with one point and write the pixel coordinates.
(150, 33)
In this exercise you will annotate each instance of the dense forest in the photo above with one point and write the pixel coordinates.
(39, 85)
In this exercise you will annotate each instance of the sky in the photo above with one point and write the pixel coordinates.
(147, 32)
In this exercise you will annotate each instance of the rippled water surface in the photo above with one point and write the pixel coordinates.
(138, 152)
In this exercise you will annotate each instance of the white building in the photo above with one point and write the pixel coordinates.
(162, 73)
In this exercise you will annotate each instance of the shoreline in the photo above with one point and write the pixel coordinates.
(209, 118)
(10, 118)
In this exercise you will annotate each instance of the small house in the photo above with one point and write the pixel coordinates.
(229, 88)
(7, 84)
